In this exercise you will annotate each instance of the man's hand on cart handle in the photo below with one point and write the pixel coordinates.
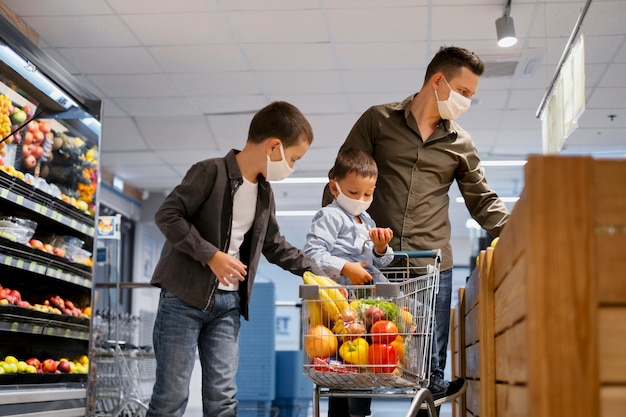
(356, 272)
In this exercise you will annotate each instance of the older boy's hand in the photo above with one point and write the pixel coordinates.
(227, 269)
(357, 274)
(380, 238)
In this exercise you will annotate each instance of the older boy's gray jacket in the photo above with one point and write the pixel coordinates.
(195, 219)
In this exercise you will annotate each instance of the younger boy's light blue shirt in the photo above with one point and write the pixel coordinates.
(335, 238)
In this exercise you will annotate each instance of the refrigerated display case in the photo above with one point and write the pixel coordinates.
(50, 135)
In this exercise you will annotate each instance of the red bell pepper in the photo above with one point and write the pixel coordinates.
(382, 358)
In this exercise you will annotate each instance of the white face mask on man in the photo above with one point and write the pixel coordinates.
(278, 170)
(454, 106)
(352, 206)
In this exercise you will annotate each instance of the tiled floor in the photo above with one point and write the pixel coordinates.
(387, 408)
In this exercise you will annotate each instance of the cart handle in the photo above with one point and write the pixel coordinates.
(430, 253)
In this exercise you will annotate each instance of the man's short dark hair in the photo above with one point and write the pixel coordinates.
(450, 60)
(283, 121)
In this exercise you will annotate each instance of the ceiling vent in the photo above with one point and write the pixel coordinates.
(521, 64)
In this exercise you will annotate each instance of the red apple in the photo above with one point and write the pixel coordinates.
(38, 137)
(16, 294)
(64, 367)
(49, 366)
(36, 243)
(27, 149)
(374, 314)
(29, 162)
(37, 151)
(34, 362)
(28, 138)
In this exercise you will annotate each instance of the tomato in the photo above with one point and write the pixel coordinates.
(382, 358)
(384, 332)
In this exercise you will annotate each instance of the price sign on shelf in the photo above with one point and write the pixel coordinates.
(109, 227)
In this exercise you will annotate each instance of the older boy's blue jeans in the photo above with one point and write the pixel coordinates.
(180, 331)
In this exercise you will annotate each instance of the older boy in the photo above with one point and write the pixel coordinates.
(217, 222)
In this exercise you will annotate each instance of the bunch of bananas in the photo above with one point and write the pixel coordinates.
(5, 120)
(331, 303)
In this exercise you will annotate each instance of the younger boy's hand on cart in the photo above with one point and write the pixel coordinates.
(356, 272)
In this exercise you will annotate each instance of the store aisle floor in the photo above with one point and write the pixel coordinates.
(387, 408)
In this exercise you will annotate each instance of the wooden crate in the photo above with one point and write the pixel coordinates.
(544, 321)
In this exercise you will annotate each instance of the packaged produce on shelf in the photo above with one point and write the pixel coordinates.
(31, 149)
(12, 365)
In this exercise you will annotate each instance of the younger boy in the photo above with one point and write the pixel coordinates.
(345, 242)
(217, 222)
(343, 239)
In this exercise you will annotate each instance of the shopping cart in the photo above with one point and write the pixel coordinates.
(373, 340)
(120, 371)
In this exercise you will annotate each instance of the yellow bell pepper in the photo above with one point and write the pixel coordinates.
(354, 351)
(398, 343)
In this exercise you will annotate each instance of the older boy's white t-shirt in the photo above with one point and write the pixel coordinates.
(244, 209)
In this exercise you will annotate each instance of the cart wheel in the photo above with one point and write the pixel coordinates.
(423, 395)
(130, 408)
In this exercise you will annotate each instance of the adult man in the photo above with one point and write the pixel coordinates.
(420, 151)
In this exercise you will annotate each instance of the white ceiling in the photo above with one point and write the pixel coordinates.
(181, 80)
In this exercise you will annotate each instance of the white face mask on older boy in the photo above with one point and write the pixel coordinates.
(278, 170)
(454, 106)
(352, 206)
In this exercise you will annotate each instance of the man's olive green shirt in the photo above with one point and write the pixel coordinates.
(414, 178)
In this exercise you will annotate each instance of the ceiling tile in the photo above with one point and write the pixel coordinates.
(169, 106)
(176, 132)
(230, 131)
(83, 31)
(177, 158)
(304, 26)
(129, 158)
(128, 60)
(299, 82)
(135, 85)
(160, 6)
(121, 134)
(389, 81)
(215, 104)
(58, 7)
(290, 57)
(179, 28)
(378, 55)
(316, 103)
(217, 83)
(199, 58)
(382, 24)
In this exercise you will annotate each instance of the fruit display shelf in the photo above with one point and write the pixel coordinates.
(21, 193)
(36, 261)
(21, 320)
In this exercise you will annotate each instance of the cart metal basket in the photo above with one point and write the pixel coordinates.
(120, 375)
(372, 340)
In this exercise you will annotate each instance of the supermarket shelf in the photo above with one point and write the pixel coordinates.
(26, 196)
(57, 400)
(42, 265)
(28, 321)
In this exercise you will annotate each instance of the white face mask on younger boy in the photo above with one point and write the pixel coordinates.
(352, 206)
(454, 106)
(278, 170)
